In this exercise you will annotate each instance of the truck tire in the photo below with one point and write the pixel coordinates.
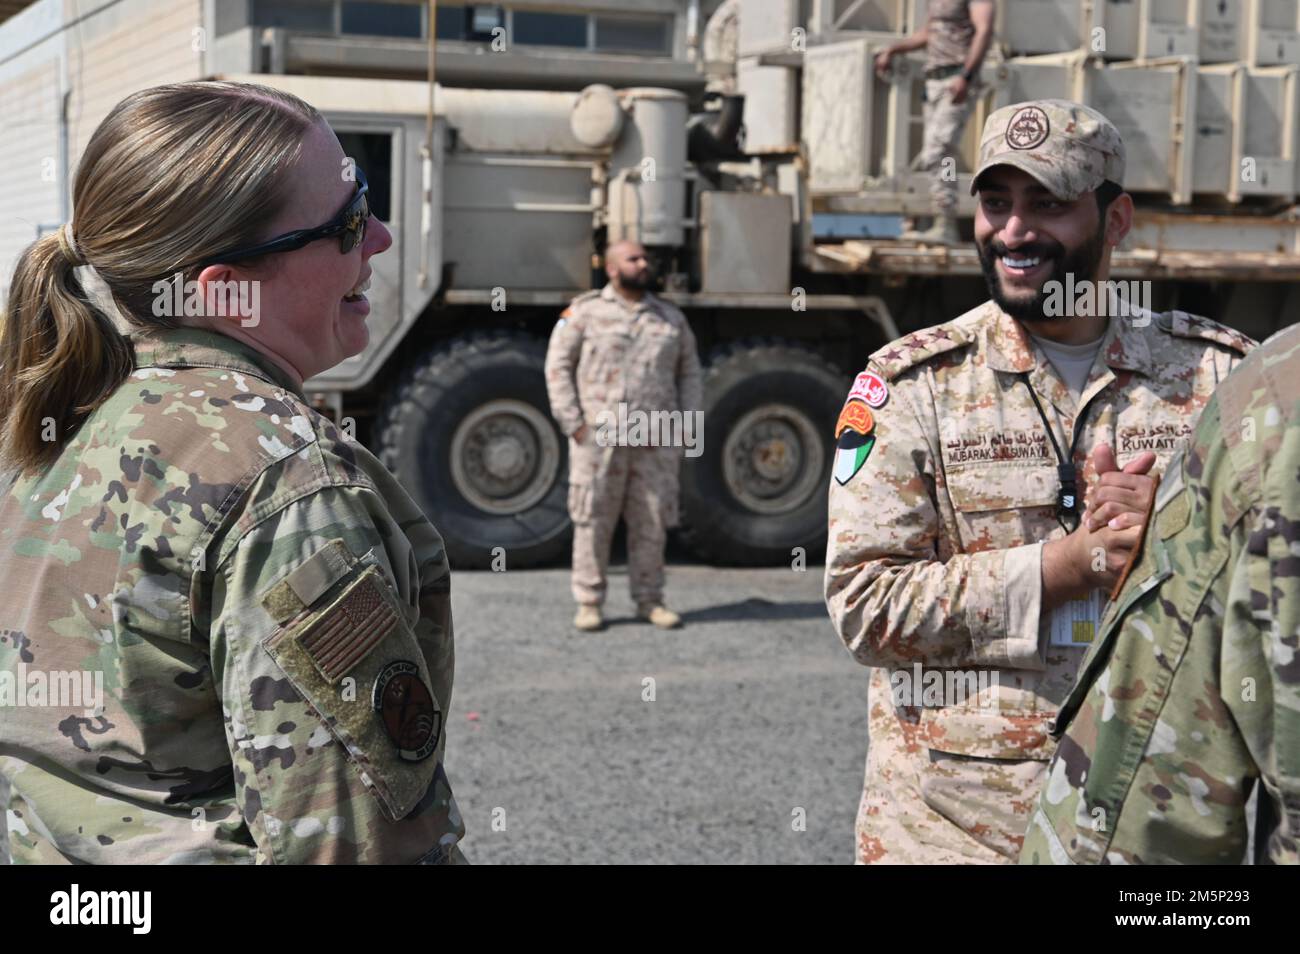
(469, 434)
(758, 490)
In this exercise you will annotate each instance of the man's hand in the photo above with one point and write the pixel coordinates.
(1120, 498)
(1084, 561)
(883, 60)
(1064, 561)
(957, 90)
(1094, 556)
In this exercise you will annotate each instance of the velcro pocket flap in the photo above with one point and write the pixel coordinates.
(308, 582)
(990, 734)
(359, 665)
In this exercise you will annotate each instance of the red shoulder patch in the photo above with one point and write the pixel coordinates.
(869, 388)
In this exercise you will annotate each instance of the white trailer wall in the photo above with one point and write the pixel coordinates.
(97, 52)
(29, 130)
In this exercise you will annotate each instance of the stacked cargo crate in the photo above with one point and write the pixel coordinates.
(860, 131)
(1204, 92)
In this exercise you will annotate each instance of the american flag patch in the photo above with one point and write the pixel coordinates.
(352, 627)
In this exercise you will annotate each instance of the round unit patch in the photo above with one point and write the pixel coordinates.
(406, 707)
(1028, 128)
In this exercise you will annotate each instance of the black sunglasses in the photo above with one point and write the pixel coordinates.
(349, 225)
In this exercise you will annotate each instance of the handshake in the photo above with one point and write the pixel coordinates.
(1094, 556)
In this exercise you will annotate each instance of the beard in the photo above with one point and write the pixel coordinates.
(1083, 263)
(636, 282)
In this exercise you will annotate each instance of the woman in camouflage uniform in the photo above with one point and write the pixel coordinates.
(225, 632)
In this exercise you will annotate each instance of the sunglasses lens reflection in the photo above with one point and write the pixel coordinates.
(357, 217)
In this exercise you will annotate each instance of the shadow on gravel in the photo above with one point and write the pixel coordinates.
(755, 608)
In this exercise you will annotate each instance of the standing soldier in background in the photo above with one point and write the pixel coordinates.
(621, 346)
(955, 542)
(721, 48)
(956, 35)
(1191, 696)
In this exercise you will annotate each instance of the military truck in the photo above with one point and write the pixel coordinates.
(773, 218)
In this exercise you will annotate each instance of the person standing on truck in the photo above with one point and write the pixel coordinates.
(620, 356)
(247, 618)
(960, 563)
(956, 36)
(1190, 699)
(720, 48)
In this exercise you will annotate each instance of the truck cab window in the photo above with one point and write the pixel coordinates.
(474, 22)
(634, 35)
(307, 17)
(550, 29)
(374, 154)
(381, 19)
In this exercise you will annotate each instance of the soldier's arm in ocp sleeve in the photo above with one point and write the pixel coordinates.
(1277, 751)
(891, 599)
(690, 383)
(561, 372)
(306, 796)
(1259, 681)
(1244, 674)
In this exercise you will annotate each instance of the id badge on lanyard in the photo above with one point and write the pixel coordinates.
(1075, 623)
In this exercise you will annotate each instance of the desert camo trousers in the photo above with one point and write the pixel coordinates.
(944, 123)
(924, 806)
(638, 484)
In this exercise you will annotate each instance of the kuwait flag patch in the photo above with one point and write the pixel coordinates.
(854, 440)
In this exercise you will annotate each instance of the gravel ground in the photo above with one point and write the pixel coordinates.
(757, 723)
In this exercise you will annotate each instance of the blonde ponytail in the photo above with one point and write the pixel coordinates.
(59, 356)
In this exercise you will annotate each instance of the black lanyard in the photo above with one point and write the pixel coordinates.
(1067, 496)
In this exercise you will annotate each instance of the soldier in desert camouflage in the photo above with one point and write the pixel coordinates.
(266, 611)
(955, 36)
(957, 538)
(1189, 700)
(621, 345)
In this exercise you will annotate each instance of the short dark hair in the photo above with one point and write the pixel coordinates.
(1106, 193)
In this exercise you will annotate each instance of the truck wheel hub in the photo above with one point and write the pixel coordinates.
(505, 456)
(770, 459)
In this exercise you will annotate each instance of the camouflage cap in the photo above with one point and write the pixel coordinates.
(1068, 147)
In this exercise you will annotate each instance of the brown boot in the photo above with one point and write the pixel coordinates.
(588, 619)
(659, 615)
